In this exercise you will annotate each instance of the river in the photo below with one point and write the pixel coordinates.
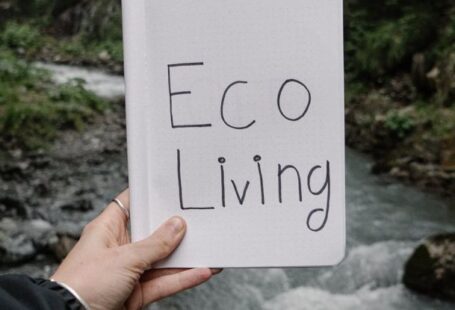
(385, 222)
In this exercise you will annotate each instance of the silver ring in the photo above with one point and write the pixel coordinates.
(122, 207)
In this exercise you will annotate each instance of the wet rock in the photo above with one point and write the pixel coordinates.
(398, 173)
(39, 225)
(41, 233)
(41, 162)
(15, 247)
(15, 250)
(69, 229)
(104, 56)
(68, 234)
(431, 269)
(82, 205)
(433, 76)
(14, 169)
(379, 167)
(11, 205)
(41, 188)
(22, 240)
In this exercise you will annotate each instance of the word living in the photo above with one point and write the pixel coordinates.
(230, 186)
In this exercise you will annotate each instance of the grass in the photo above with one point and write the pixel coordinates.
(29, 41)
(20, 36)
(85, 50)
(437, 122)
(399, 123)
(33, 109)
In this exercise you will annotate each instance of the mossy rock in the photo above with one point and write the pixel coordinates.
(431, 269)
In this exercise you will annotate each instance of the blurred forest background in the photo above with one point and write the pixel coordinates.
(63, 153)
(400, 78)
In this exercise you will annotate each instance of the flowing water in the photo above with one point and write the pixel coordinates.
(385, 222)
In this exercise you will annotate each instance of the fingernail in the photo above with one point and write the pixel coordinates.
(216, 271)
(177, 225)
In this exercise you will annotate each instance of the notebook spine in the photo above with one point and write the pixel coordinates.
(135, 60)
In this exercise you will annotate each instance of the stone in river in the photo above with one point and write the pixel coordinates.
(431, 269)
(15, 250)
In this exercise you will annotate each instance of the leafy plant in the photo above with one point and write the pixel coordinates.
(33, 109)
(399, 124)
(382, 37)
(17, 35)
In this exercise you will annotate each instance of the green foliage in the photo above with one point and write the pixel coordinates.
(75, 93)
(12, 68)
(383, 36)
(446, 41)
(95, 28)
(405, 39)
(400, 124)
(389, 45)
(84, 49)
(33, 109)
(439, 122)
(354, 90)
(17, 35)
(114, 48)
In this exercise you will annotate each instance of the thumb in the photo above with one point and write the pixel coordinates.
(159, 245)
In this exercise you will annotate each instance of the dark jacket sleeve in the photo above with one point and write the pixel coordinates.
(18, 292)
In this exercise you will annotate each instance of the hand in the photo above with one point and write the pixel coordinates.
(109, 272)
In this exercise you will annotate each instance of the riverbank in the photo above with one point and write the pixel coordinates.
(414, 143)
(400, 89)
(47, 197)
(71, 32)
(34, 109)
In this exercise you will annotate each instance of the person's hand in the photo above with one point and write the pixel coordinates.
(109, 272)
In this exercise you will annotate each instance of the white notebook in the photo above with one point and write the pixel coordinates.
(235, 119)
